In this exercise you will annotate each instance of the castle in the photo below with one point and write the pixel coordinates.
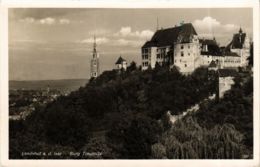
(180, 46)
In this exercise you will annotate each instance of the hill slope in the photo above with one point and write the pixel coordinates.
(121, 114)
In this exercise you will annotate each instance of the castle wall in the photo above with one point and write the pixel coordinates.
(186, 56)
(225, 84)
(148, 57)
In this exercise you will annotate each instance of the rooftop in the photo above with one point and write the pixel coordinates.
(213, 48)
(120, 60)
(237, 41)
(227, 73)
(167, 37)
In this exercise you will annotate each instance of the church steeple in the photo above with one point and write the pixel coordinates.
(240, 30)
(94, 66)
(95, 45)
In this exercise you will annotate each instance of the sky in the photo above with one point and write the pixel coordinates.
(57, 43)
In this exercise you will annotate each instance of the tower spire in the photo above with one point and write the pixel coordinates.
(94, 67)
(95, 44)
(157, 24)
(240, 30)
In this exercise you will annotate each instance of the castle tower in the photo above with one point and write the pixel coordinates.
(94, 66)
(240, 44)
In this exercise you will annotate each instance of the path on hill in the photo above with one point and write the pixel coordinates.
(194, 108)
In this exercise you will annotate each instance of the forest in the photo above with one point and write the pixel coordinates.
(122, 115)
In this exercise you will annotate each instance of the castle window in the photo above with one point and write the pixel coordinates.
(182, 54)
(189, 46)
(182, 46)
(188, 53)
(185, 65)
(158, 56)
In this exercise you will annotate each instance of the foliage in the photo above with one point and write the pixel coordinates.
(188, 140)
(129, 108)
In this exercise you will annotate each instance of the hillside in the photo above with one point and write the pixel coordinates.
(121, 114)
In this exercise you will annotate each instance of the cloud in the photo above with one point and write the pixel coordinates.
(209, 24)
(27, 20)
(64, 21)
(127, 32)
(45, 21)
(98, 40)
(48, 21)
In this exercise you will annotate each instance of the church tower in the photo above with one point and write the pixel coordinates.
(94, 66)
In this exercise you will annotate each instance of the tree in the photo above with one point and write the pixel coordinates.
(67, 128)
(132, 67)
(158, 151)
(139, 137)
(251, 55)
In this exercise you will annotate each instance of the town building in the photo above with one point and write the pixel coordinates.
(180, 46)
(94, 64)
(121, 64)
(226, 80)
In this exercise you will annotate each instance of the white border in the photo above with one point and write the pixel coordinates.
(123, 4)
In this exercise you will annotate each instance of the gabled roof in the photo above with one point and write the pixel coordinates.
(213, 64)
(237, 40)
(227, 73)
(120, 60)
(167, 37)
(213, 48)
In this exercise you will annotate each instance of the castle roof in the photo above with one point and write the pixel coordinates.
(167, 37)
(213, 48)
(237, 40)
(213, 64)
(120, 60)
(227, 73)
(231, 54)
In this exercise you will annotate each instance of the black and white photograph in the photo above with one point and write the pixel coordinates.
(131, 83)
